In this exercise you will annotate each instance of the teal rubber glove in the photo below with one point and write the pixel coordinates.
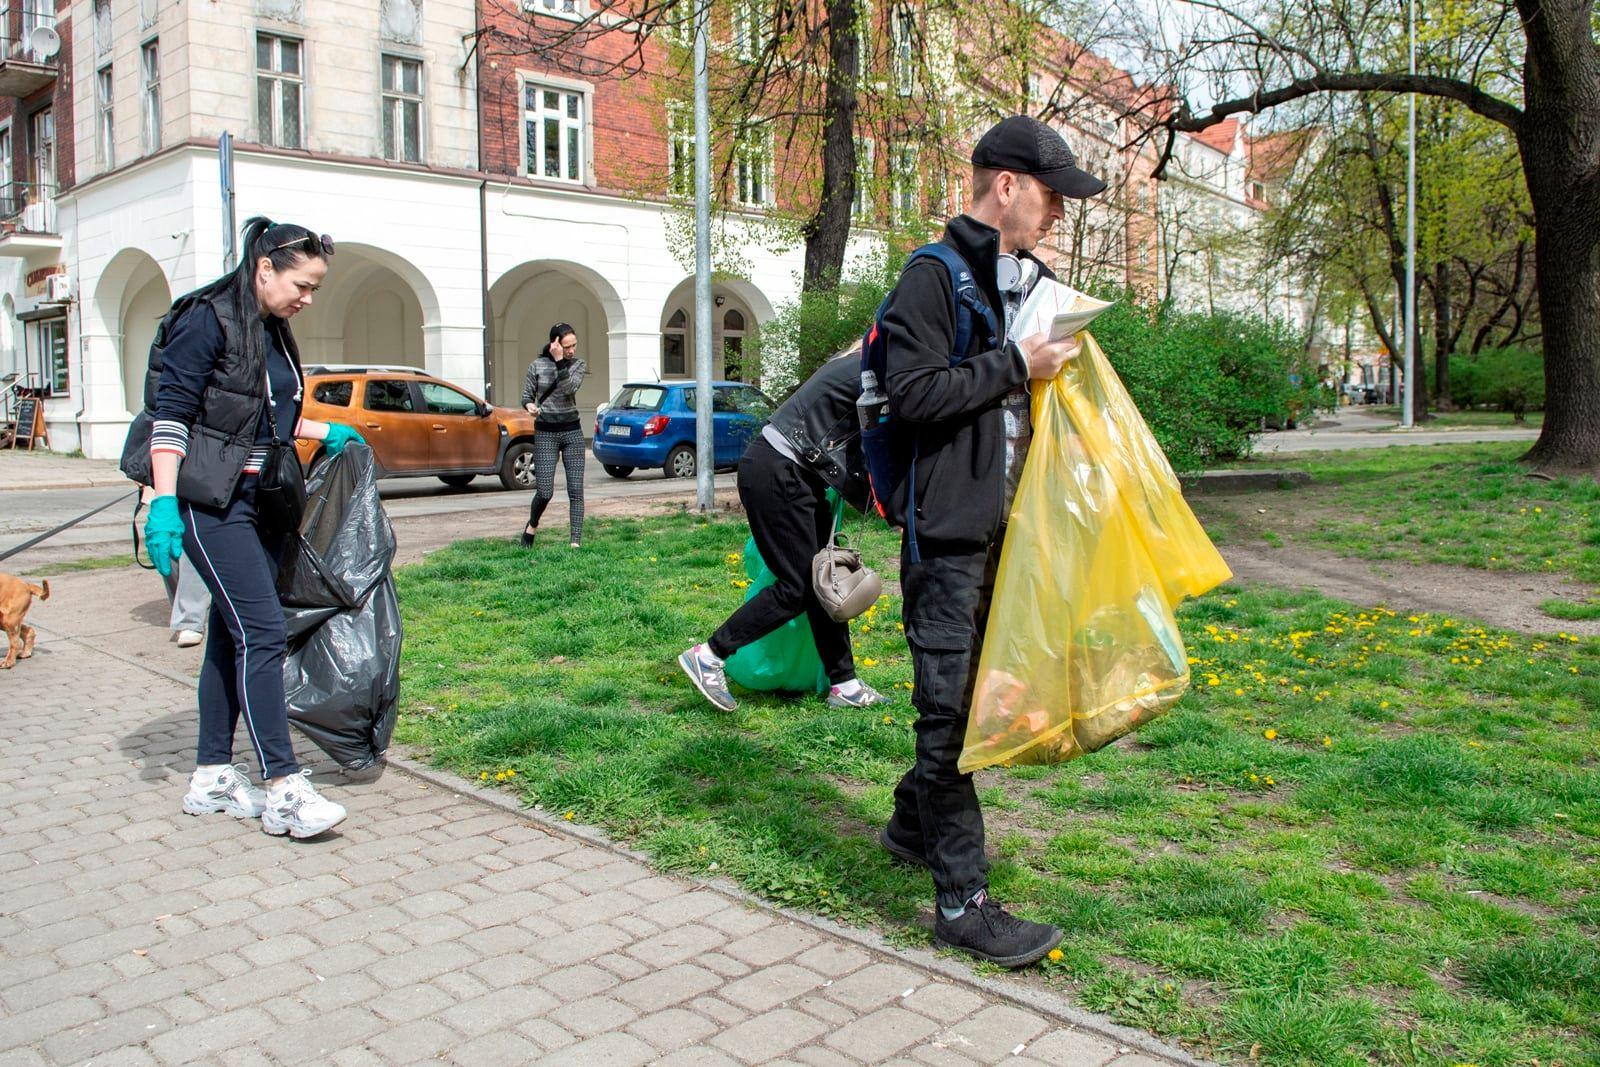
(163, 534)
(340, 435)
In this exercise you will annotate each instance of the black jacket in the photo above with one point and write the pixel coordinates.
(225, 414)
(954, 411)
(819, 422)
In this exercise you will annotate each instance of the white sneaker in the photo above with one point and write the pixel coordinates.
(299, 810)
(229, 792)
(190, 638)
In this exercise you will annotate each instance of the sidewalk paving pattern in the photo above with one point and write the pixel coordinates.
(430, 927)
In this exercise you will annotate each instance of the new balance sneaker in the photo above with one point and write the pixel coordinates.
(989, 932)
(297, 809)
(861, 695)
(705, 671)
(225, 790)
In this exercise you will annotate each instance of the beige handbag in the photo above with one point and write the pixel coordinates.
(845, 586)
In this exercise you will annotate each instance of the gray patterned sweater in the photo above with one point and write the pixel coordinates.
(558, 411)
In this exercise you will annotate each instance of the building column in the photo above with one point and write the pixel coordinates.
(105, 415)
(455, 353)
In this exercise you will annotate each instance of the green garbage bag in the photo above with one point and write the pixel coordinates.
(787, 657)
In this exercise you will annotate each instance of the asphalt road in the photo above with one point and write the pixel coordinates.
(26, 512)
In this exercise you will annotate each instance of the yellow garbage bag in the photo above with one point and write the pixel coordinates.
(1081, 645)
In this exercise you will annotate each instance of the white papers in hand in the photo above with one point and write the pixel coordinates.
(1058, 309)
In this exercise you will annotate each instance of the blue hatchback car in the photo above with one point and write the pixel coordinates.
(651, 424)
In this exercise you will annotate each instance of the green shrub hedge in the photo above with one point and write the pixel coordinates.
(1205, 383)
(1511, 379)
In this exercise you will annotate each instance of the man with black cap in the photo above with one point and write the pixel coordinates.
(970, 420)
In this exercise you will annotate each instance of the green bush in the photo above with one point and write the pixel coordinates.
(1206, 383)
(1511, 379)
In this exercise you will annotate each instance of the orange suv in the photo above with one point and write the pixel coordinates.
(420, 426)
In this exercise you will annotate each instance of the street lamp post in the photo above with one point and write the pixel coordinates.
(1408, 408)
(705, 486)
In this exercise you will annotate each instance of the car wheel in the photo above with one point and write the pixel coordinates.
(456, 481)
(680, 462)
(617, 470)
(516, 469)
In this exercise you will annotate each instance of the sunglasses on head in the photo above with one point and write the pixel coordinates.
(312, 242)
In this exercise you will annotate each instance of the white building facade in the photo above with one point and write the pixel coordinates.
(361, 120)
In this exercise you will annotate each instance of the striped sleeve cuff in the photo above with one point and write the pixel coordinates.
(168, 435)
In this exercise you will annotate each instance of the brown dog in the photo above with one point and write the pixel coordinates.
(16, 597)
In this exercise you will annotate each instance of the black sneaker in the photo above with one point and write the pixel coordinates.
(896, 847)
(989, 932)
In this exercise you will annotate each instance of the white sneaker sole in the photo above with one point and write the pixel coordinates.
(298, 831)
(197, 806)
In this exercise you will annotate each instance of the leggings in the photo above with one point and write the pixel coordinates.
(245, 641)
(547, 447)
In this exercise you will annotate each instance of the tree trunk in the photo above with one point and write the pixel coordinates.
(1443, 335)
(1559, 140)
(827, 232)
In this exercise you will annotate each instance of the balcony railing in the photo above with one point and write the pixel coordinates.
(30, 50)
(27, 207)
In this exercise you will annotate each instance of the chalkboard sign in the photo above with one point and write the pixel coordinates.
(27, 421)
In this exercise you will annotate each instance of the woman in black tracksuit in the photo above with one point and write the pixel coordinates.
(227, 388)
(550, 395)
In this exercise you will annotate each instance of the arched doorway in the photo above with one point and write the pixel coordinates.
(531, 298)
(130, 299)
(737, 310)
(144, 303)
(373, 308)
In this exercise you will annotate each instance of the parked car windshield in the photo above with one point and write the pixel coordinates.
(639, 398)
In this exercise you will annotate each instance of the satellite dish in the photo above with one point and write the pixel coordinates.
(44, 42)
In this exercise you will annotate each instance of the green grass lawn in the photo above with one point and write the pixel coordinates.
(1469, 504)
(1362, 837)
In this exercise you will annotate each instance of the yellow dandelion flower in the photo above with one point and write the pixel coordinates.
(1270, 781)
(1270, 735)
(1055, 955)
(888, 720)
(483, 776)
(568, 816)
(869, 662)
(1327, 742)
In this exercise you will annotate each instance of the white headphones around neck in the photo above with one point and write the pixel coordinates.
(1013, 274)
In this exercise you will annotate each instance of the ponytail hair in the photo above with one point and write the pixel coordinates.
(284, 245)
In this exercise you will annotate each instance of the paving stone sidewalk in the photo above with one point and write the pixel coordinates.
(430, 927)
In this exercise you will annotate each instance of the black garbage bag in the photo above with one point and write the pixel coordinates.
(341, 675)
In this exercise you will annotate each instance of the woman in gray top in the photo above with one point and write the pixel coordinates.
(550, 395)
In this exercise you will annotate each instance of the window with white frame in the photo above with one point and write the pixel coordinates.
(680, 151)
(402, 109)
(1035, 90)
(905, 186)
(904, 28)
(280, 90)
(8, 205)
(105, 126)
(749, 28)
(559, 8)
(752, 167)
(102, 27)
(553, 121)
(866, 152)
(150, 68)
(864, 36)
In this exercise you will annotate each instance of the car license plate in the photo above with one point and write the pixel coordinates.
(616, 431)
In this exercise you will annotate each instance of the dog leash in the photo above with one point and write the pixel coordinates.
(8, 553)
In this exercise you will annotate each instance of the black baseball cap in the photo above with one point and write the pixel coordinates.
(1024, 145)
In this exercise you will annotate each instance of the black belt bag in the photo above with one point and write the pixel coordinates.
(281, 488)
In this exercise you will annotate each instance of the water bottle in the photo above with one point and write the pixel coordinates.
(872, 407)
